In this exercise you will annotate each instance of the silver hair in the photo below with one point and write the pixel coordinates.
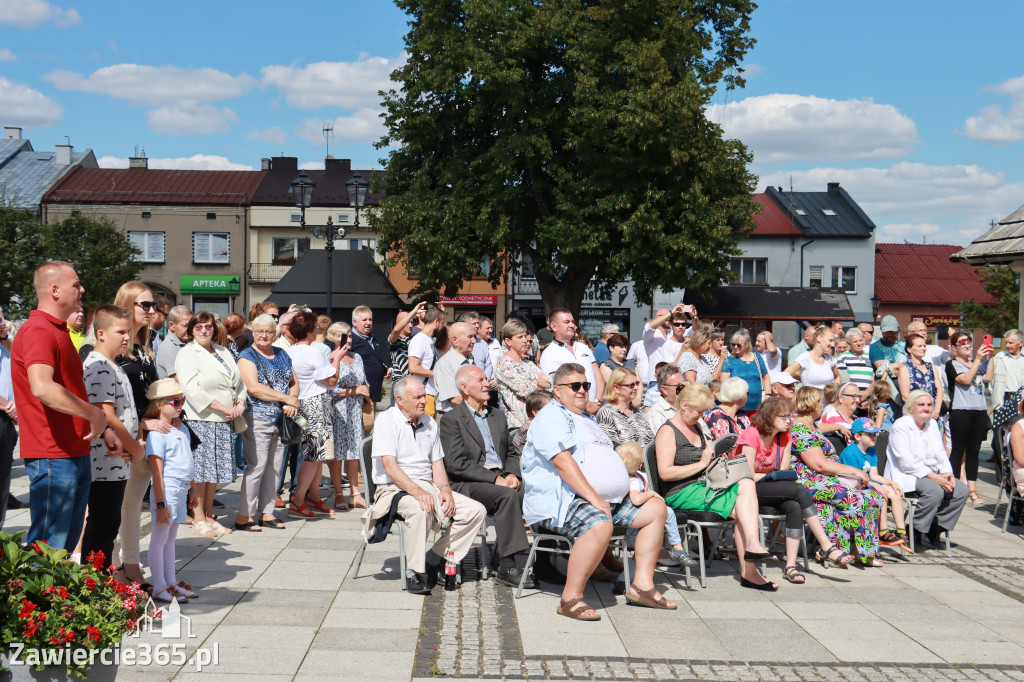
(1015, 333)
(853, 333)
(178, 312)
(732, 389)
(741, 334)
(359, 310)
(609, 328)
(267, 319)
(404, 382)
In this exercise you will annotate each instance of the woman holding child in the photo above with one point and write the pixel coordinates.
(767, 445)
(848, 512)
(683, 453)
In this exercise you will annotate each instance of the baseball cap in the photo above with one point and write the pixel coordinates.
(864, 425)
(784, 378)
(889, 324)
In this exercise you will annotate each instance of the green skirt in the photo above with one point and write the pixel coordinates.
(691, 498)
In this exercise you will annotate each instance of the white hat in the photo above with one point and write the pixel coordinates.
(784, 378)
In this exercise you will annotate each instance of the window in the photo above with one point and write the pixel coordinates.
(816, 276)
(483, 268)
(844, 277)
(295, 217)
(750, 270)
(800, 211)
(149, 245)
(362, 244)
(526, 267)
(829, 212)
(288, 250)
(344, 217)
(211, 216)
(211, 247)
(147, 214)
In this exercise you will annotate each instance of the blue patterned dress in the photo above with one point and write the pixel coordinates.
(348, 411)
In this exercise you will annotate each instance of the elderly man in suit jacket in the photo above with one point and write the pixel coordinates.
(480, 466)
(366, 347)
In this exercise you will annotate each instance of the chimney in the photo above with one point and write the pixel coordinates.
(285, 163)
(138, 162)
(833, 188)
(334, 166)
(12, 133)
(64, 154)
(264, 164)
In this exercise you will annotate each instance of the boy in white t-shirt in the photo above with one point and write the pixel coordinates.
(422, 354)
(110, 390)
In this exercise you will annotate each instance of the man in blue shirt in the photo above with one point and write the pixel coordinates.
(889, 347)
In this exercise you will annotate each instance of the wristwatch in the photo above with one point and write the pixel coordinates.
(161, 505)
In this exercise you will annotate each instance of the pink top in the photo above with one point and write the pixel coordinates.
(764, 458)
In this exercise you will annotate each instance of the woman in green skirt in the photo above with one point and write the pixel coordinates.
(684, 451)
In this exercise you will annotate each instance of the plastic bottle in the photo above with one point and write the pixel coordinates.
(300, 420)
(450, 571)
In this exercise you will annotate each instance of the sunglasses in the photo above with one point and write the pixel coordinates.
(146, 305)
(632, 385)
(274, 316)
(678, 324)
(203, 327)
(177, 402)
(736, 345)
(575, 386)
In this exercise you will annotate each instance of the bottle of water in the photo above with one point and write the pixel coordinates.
(450, 571)
(300, 420)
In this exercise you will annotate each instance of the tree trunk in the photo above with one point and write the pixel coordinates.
(565, 293)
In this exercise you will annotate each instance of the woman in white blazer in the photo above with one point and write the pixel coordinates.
(214, 396)
(916, 460)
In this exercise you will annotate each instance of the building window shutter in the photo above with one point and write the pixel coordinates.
(817, 273)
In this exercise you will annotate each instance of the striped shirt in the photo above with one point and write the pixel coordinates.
(857, 368)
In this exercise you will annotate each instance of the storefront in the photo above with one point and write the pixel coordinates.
(214, 294)
(485, 304)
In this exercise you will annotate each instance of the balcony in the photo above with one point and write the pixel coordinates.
(267, 273)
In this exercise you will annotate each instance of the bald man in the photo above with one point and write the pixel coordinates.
(57, 422)
(462, 336)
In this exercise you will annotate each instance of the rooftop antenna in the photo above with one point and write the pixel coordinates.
(136, 151)
(67, 138)
(328, 134)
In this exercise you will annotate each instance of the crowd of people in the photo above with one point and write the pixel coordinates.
(536, 429)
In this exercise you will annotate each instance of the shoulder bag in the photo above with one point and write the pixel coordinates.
(291, 432)
(779, 474)
(723, 473)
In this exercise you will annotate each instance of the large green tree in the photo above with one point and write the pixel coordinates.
(571, 132)
(1004, 285)
(101, 254)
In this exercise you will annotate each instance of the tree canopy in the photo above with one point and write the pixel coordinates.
(571, 133)
(101, 254)
(1004, 285)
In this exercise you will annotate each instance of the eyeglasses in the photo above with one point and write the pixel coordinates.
(855, 396)
(632, 385)
(676, 386)
(273, 315)
(177, 402)
(203, 327)
(261, 332)
(575, 386)
(736, 345)
(146, 305)
(785, 417)
(678, 324)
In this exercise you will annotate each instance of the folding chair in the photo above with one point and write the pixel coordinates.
(563, 545)
(695, 522)
(366, 471)
(767, 515)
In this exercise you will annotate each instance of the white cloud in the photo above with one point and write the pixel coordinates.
(781, 128)
(365, 125)
(194, 162)
(312, 165)
(993, 125)
(961, 200)
(895, 232)
(32, 13)
(349, 85)
(155, 85)
(7, 56)
(22, 106)
(191, 119)
(275, 135)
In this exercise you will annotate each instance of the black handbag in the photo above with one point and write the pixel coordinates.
(779, 474)
(291, 432)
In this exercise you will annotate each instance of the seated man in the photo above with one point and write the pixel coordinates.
(407, 458)
(576, 485)
(481, 467)
(669, 379)
(783, 386)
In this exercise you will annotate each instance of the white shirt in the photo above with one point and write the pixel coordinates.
(914, 453)
(422, 346)
(661, 411)
(603, 468)
(643, 367)
(413, 449)
(653, 340)
(558, 353)
(773, 363)
(668, 352)
(310, 368)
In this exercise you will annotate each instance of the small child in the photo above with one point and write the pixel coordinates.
(170, 459)
(639, 492)
(110, 390)
(862, 451)
(881, 410)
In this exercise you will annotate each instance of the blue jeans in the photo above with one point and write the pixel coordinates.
(58, 493)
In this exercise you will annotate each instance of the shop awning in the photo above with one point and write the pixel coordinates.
(745, 302)
(358, 280)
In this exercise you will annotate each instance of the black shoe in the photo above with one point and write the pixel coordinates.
(218, 504)
(512, 577)
(14, 503)
(919, 542)
(420, 584)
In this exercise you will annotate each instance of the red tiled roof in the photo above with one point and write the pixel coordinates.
(922, 273)
(772, 221)
(153, 186)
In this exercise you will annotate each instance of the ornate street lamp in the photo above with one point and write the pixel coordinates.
(876, 303)
(357, 189)
(302, 192)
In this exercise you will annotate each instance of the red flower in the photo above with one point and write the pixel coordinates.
(71, 635)
(63, 592)
(53, 640)
(97, 558)
(41, 617)
(90, 583)
(94, 633)
(27, 608)
(30, 629)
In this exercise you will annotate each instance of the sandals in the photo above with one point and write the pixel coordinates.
(973, 497)
(575, 608)
(271, 523)
(301, 512)
(340, 504)
(173, 595)
(204, 530)
(651, 598)
(321, 508)
(793, 575)
(361, 504)
(184, 587)
(842, 561)
(760, 587)
(872, 561)
(250, 526)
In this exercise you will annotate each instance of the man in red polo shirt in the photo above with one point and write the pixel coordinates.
(57, 421)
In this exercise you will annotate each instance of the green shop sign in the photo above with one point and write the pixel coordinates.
(206, 284)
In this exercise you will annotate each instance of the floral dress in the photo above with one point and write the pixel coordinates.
(721, 424)
(348, 411)
(844, 513)
(922, 379)
(515, 381)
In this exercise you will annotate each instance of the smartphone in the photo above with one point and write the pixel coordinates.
(943, 332)
(986, 340)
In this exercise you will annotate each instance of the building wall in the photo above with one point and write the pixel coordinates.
(474, 294)
(178, 223)
(931, 315)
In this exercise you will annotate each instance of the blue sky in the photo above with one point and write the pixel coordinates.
(917, 108)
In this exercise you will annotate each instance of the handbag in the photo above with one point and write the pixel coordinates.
(369, 414)
(238, 425)
(289, 430)
(779, 474)
(723, 473)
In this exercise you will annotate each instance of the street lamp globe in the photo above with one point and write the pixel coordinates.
(357, 189)
(302, 190)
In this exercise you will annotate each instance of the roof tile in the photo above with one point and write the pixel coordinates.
(155, 186)
(923, 273)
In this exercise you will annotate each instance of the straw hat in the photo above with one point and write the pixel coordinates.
(163, 388)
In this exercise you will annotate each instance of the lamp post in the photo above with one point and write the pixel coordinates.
(357, 189)
(876, 303)
(302, 192)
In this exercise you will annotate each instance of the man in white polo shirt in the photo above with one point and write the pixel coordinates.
(407, 457)
(562, 350)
